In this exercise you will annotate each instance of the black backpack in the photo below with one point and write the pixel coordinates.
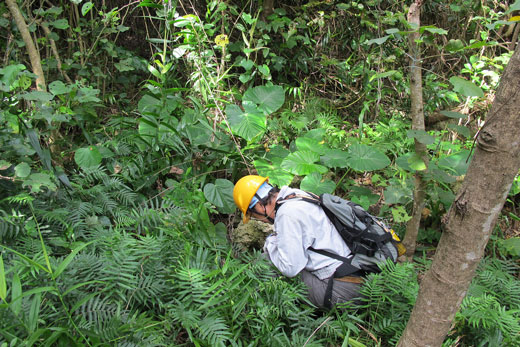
(370, 240)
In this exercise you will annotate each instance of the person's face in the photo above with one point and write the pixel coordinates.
(263, 210)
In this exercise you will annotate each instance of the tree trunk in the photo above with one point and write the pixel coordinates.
(417, 114)
(471, 217)
(34, 55)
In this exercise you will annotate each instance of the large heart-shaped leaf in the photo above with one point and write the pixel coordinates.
(220, 194)
(248, 123)
(314, 183)
(87, 157)
(276, 175)
(268, 98)
(366, 158)
(395, 194)
(302, 163)
(335, 158)
(307, 143)
(465, 87)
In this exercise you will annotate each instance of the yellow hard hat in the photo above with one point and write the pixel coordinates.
(244, 191)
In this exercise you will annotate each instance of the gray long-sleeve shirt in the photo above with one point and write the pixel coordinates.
(299, 225)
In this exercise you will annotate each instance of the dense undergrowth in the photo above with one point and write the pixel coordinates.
(116, 178)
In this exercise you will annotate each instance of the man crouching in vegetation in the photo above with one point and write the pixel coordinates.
(300, 228)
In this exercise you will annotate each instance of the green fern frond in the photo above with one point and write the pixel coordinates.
(214, 330)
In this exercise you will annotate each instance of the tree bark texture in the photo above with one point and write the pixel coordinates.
(471, 217)
(417, 114)
(34, 55)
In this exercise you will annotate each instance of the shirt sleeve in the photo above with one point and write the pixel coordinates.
(286, 248)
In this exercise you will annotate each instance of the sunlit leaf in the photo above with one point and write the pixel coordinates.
(465, 87)
(22, 170)
(316, 184)
(248, 123)
(276, 174)
(302, 163)
(307, 143)
(416, 162)
(268, 98)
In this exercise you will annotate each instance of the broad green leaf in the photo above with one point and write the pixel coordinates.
(220, 194)
(361, 201)
(148, 103)
(439, 175)
(38, 95)
(416, 162)
(277, 151)
(316, 184)
(87, 94)
(465, 87)
(58, 88)
(456, 163)
(4, 165)
(363, 193)
(37, 180)
(316, 134)
(366, 158)
(63, 265)
(247, 124)
(403, 163)
(268, 98)
(397, 195)
(22, 170)
(378, 41)
(421, 136)
(433, 29)
(276, 174)
(334, 158)
(3, 284)
(462, 130)
(307, 143)
(60, 24)
(87, 157)
(455, 115)
(454, 45)
(10, 74)
(246, 64)
(264, 70)
(86, 8)
(302, 163)
(147, 129)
